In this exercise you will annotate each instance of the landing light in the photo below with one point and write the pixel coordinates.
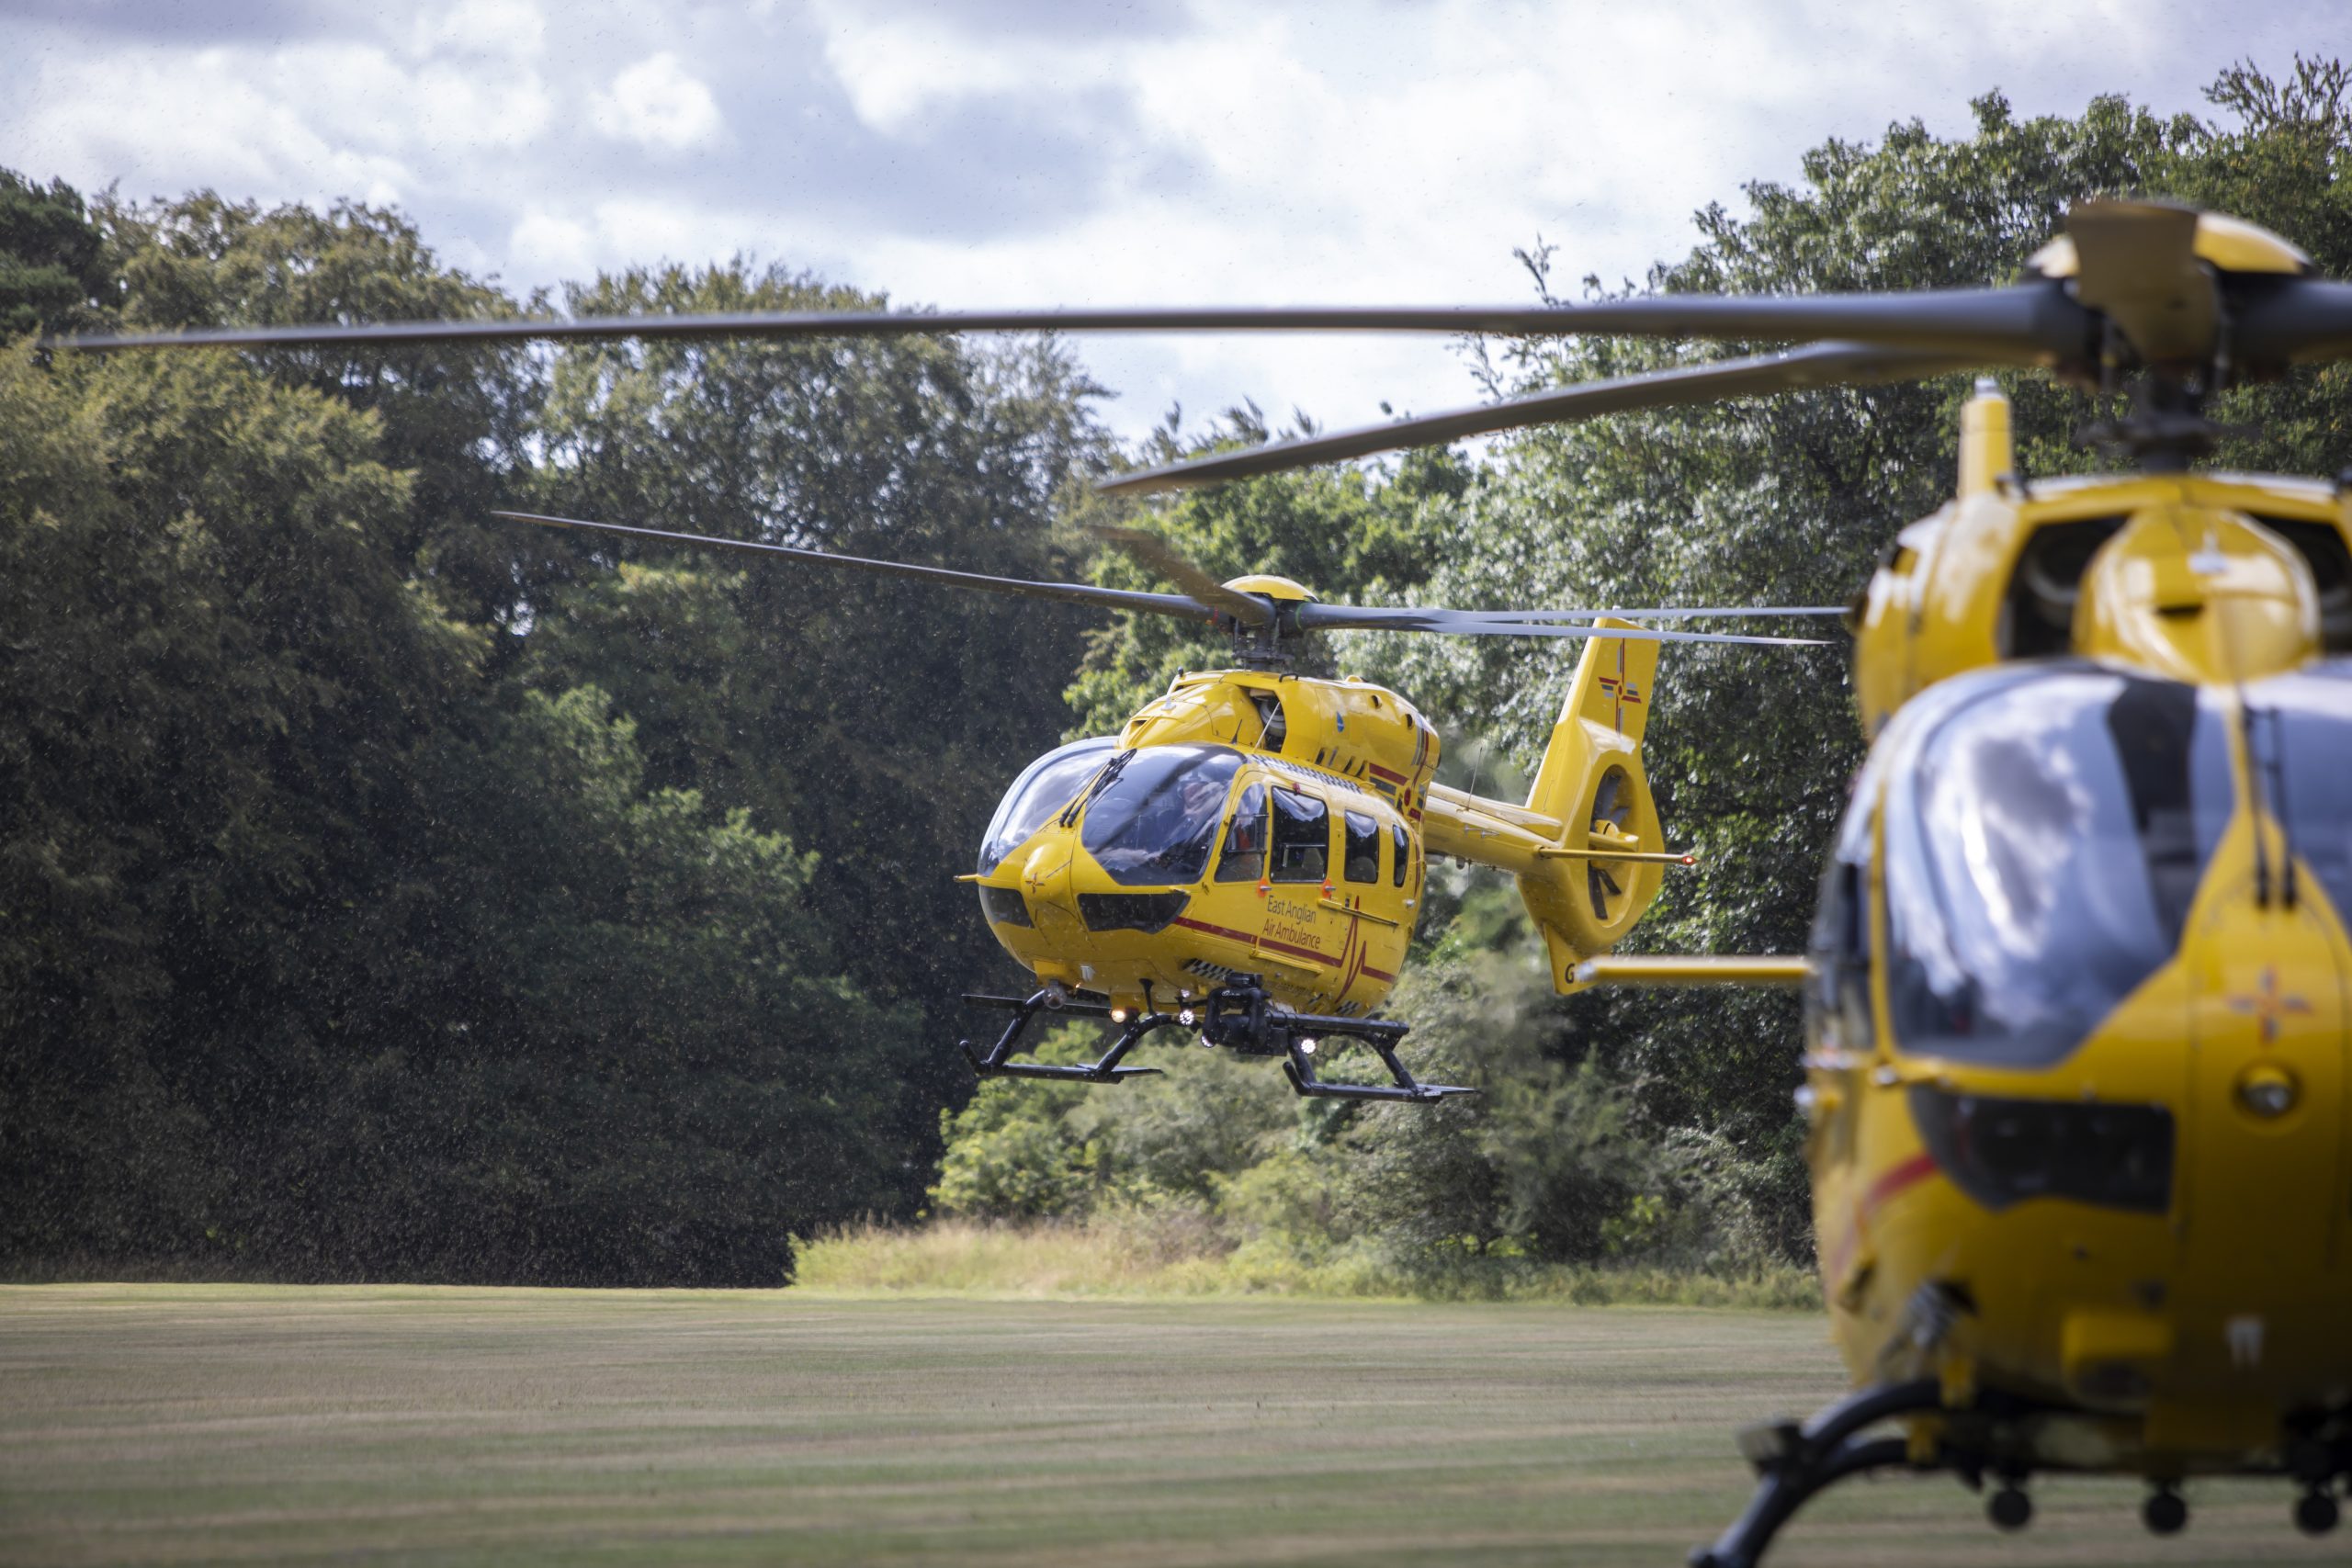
(1307, 1046)
(2267, 1092)
(1186, 1018)
(1118, 1015)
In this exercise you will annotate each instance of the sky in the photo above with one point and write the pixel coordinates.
(1002, 153)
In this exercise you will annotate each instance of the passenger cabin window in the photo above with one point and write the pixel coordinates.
(1364, 847)
(1155, 820)
(1404, 853)
(1302, 847)
(1044, 787)
(1245, 842)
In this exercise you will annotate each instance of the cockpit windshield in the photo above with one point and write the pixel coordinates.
(1153, 823)
(1044, 787)
(2043, 844)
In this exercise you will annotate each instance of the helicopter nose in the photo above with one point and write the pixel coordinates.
(1046, 879)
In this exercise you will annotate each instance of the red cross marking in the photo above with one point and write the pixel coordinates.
(2269, 1007)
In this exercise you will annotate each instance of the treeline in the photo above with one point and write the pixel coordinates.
(386, 891)
(389, 892)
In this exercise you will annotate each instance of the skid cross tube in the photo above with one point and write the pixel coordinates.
(1298, 1066)
(997, 1062)
(1239, 1016)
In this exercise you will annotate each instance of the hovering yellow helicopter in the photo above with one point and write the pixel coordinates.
(2076, 993)
(1243, 863)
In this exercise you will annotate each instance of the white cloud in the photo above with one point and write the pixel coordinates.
(510, 29)
(549, 245)
(898, 70)
(658, 104)
(1311, 151)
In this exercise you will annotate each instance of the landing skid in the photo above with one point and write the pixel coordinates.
(1980, 1442)
(1239, 1016)
(1792, 1463)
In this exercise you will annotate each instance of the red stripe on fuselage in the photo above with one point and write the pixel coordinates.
(1247, 940)
(1322, 958)
(1192, 925)
(1890, 1183)
(1916, 1169)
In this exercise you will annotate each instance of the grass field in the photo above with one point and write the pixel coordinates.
(204, 1424)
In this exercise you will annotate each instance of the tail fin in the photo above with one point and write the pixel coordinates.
(1590, 782)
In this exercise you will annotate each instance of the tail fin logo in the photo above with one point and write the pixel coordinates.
(1620, 691)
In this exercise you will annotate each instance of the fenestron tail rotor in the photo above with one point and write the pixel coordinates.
(1612, 808)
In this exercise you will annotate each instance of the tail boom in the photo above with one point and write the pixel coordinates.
(1586, 848)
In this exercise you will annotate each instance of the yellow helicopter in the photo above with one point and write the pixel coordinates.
(1244, 863)
(2076, 992)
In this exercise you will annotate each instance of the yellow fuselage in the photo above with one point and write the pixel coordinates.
(1342, 771)
(1256, 823)
(2077, 1073)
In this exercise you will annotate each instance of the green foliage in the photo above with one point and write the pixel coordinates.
(878, 720)
(53, 274)
(1549, 1165)
(1013, 1148)
(1040, 1149)
(389, 891)
(454, 417)
(1133, 1253)
(1346, 535)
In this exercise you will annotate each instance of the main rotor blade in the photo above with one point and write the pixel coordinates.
(1450, 623)
(1336, 618)
(2292, 321)
(1160, 557)
(2136, 262)
(1175, 605)
(2028, 323)
(1824, 364)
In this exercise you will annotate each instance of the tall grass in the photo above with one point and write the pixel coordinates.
(1128, 1256)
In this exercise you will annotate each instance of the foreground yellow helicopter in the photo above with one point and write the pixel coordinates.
(2076, 1073)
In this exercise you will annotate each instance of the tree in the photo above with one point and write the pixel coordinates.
(53, 273)
(1344, 535)
(455, 417)
(877, 722)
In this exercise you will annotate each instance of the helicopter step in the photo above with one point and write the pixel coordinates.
(1239, 1016)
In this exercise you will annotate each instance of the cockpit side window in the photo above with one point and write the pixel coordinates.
(2300, 727)
(1404, 854)
(1155, 821)
(1245, 842)
(1044, 787)
(1363, 857)
(1302, 837)
(1837, 994)
(2019, 801)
